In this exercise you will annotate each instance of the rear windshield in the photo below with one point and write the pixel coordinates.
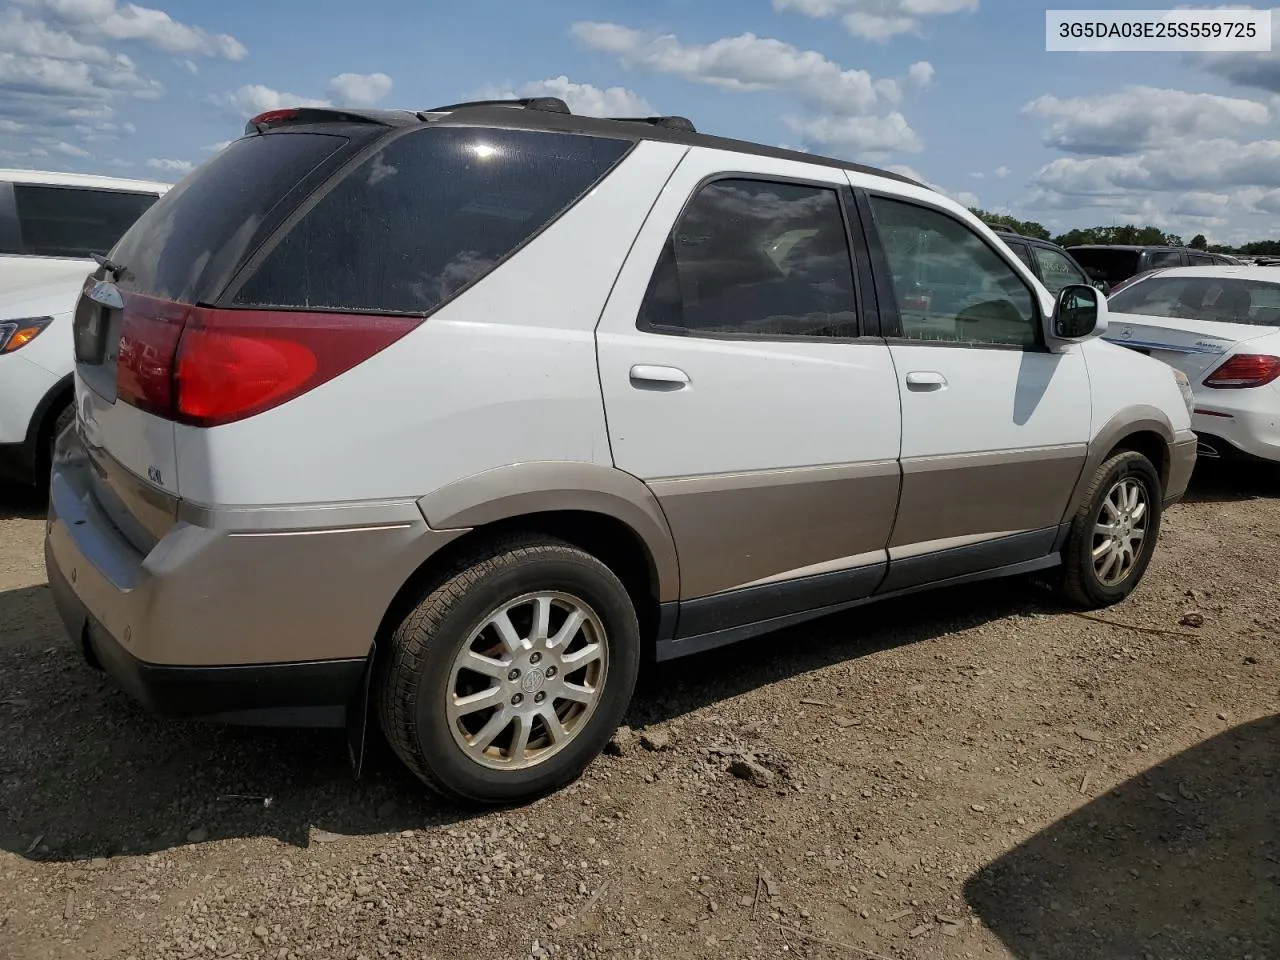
(1109, 265)
(1222, 299)
(187, 246)
(74, 221)
(428, 214)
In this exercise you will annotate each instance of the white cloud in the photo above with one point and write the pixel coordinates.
(35, 38)
(170, 166)
(857, 135)
(877, 20)
(217, 147)
(253, 99)
(742, 63)
(107, 19)
(359, 88)
(1002, 172)
(120, 163)
(967, 199)
(582, 98)
(189, 66)
(1198, 203)
(920, 74)
(69, 150)
(1140, 117)
(1189, 165)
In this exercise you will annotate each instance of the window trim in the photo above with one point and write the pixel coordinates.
(884, 281)
(226, 298)
(839, 189)
(9, 214)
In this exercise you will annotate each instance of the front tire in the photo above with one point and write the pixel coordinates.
(1114, 533)
(512, 672)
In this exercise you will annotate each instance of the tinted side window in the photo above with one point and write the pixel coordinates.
(1056, 270)
(425, 216)
(756, 258)
(74, 222)
(1162, 258)
(1023, 253)
(951, 286)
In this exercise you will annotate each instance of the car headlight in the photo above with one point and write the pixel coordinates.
(16, 334)
(1184, 386)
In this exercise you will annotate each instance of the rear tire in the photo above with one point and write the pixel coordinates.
(1114, 533)
(511, 673)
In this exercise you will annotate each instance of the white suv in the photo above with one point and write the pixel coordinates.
(51, 225)
(455, 415)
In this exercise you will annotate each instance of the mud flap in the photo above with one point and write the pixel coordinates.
(358, 717)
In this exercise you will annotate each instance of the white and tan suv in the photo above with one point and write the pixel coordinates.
(454, 416)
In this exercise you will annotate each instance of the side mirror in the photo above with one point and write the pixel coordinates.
(1080, 313)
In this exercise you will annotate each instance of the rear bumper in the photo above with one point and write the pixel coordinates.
(315, 694)
(1250, 426)
(261, 626)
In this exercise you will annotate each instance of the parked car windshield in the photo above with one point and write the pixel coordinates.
(1222, 299)
(1104, 264)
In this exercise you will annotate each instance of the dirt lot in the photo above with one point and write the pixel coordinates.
(976, 775)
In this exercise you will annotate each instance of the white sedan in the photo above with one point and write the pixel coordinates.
(1221, 327)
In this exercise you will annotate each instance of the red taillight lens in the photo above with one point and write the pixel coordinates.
(206, 367)
(148, 341)
(233, 364)
(1245, 370)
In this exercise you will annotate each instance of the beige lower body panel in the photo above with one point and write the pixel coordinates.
(744, 529)
(984, 494)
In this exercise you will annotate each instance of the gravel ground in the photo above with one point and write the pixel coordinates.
(978, 774)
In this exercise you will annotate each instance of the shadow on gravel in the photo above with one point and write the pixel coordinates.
(86, 773)
(22, 503)
(1180, 862)
(1217, 482)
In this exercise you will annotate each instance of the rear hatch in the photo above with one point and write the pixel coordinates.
(155, 287)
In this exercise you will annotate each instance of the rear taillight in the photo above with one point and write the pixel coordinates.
(206, 367)
(1245, 370)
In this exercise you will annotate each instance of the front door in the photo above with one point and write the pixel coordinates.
(994, 426)
(739, 386)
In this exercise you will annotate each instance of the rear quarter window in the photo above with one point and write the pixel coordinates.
(428, 214)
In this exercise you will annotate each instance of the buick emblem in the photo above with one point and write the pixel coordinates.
(532, 681)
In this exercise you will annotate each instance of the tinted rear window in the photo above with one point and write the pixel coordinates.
(1109, 265)
(189, 244)
(72, 221)
(428, 214)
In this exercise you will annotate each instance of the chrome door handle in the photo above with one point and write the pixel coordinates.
(925, 380)
(647, 377)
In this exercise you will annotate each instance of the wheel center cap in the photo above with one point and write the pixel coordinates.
(533, 680)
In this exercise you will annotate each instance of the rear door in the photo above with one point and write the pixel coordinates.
(745, 383)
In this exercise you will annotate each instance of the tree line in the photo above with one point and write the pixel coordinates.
(1128, 234)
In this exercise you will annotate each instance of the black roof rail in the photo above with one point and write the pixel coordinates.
(670, 123)
(545, 104)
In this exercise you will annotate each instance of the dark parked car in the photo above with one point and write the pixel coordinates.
(1116, 263)
(1055, 267)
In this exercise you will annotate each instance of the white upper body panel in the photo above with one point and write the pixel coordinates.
(505, 373)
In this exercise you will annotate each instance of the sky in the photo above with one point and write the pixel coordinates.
(959, 93)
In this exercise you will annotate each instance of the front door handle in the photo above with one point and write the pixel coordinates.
(925, 380)
(647, 377)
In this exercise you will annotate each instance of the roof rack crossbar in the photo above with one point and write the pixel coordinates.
(670, 123)
(545, 104)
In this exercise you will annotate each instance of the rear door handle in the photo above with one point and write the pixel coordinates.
(646, 377)
(926, 380)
